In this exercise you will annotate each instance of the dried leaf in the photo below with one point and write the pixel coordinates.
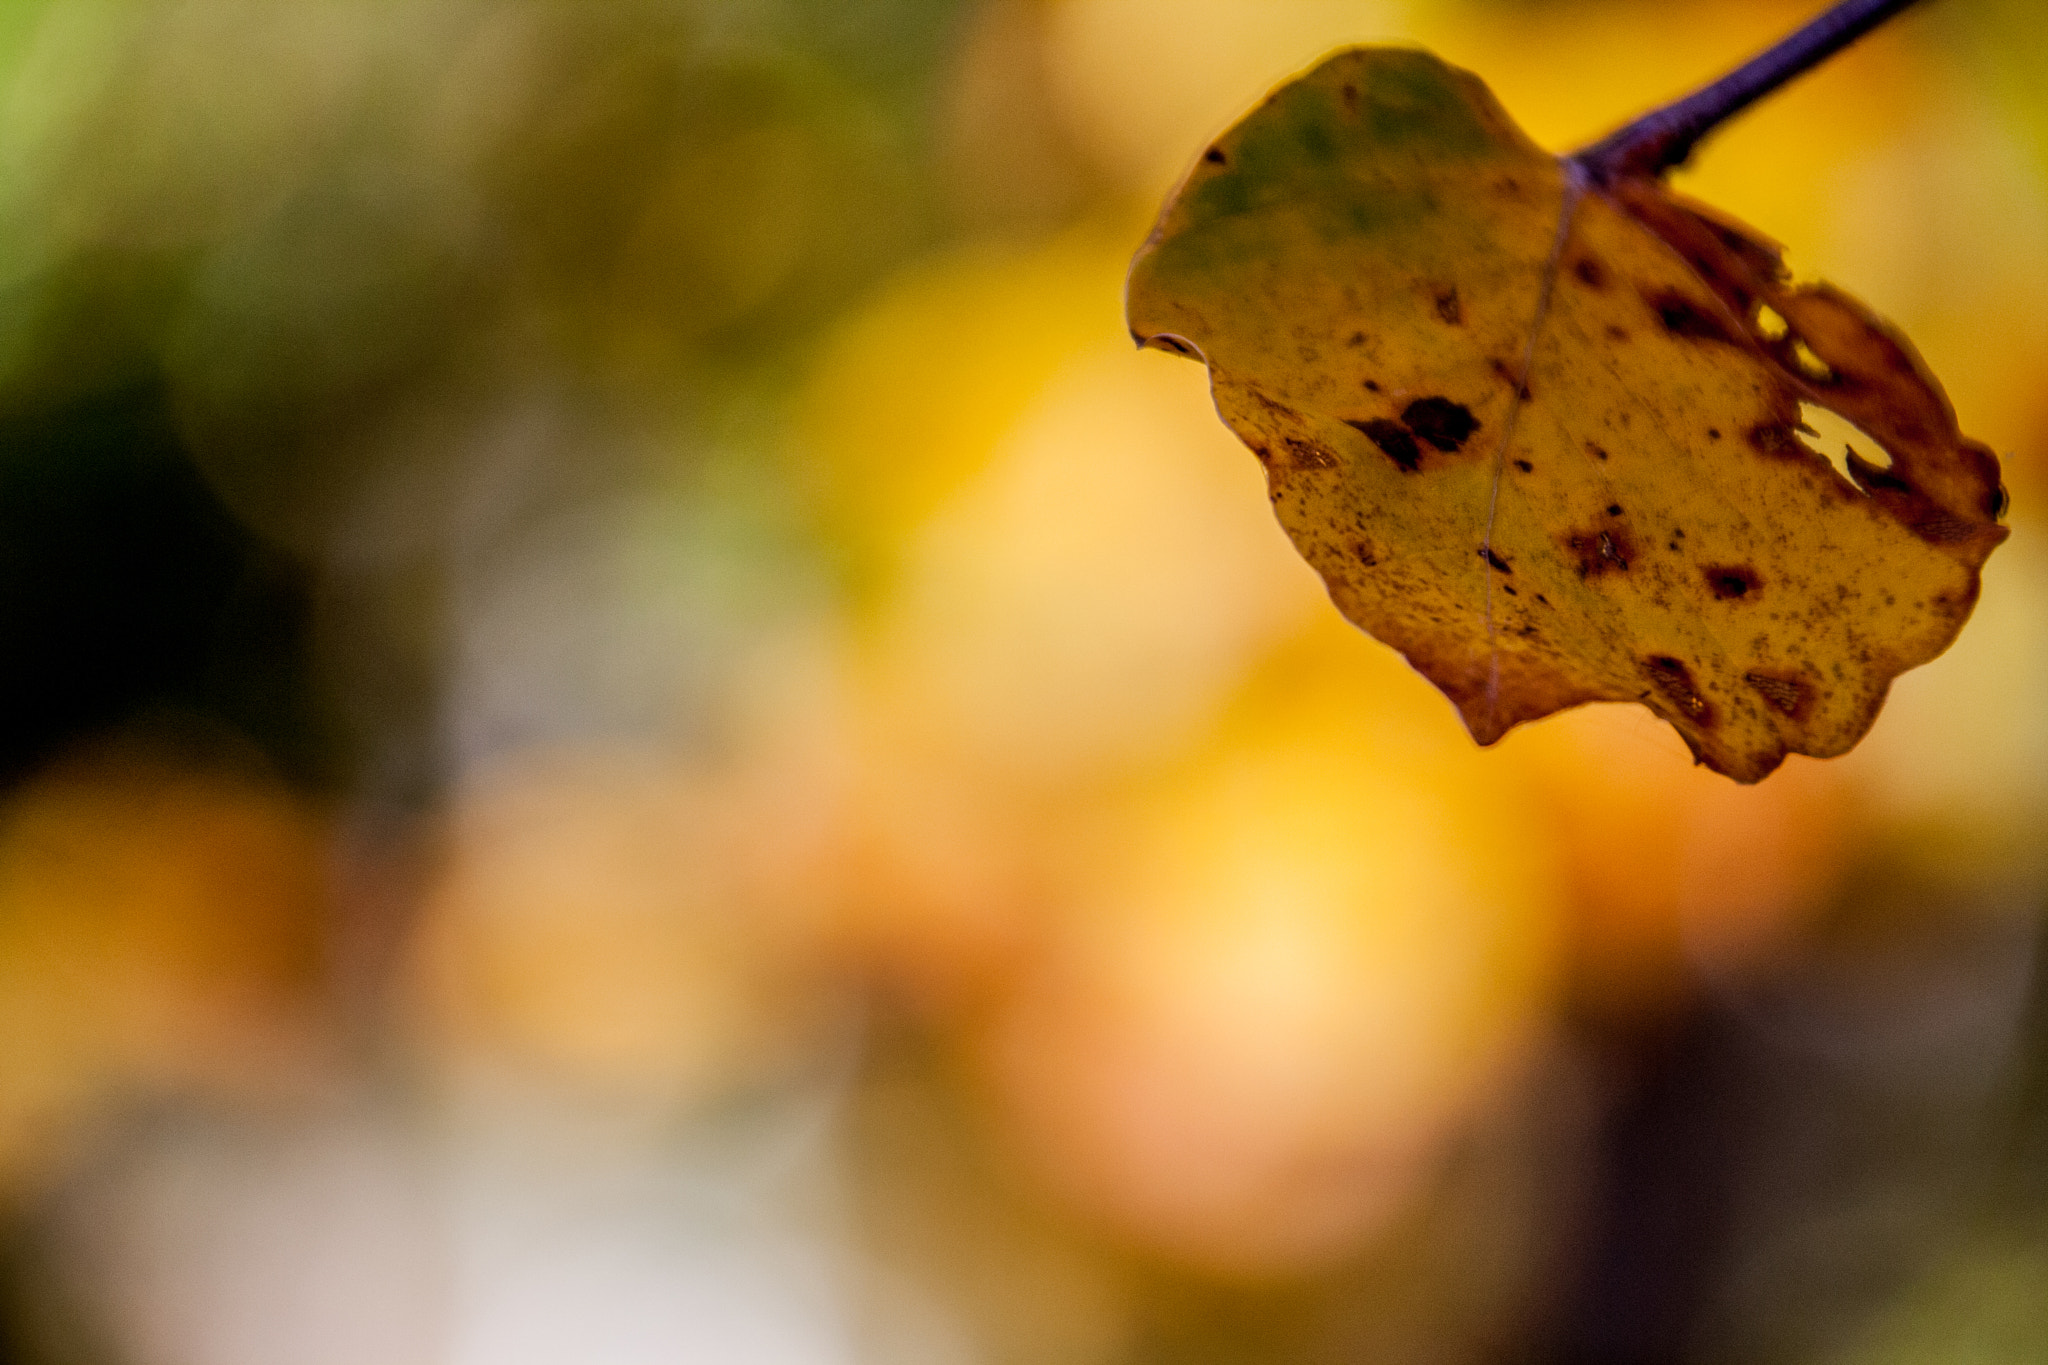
(1544, 437)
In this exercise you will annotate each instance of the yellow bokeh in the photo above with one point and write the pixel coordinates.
(1286, 972)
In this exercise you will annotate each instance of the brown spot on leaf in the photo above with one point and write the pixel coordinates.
(1595, 451)
(1277, 409)
(1683, 317)
(1674, 680)
(1943, 528)
(1307, 454)
(1613, 509)
(1789, 697)
(1713, 433)
(1364, 552)
(1448, 308)
(1525, 466)
(1774, 438)
(1590, 273)
(1439, 421)
(1506, 376)
(1356, 339)
(1601, 551)
(1371, 387)
(1616, 333)
(1732, 580)
(1215, 156)
(1486, 552)
(1394, 442)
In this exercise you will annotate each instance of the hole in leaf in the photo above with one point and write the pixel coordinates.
(1771, 324)
(1834, 436)
(1809, 364)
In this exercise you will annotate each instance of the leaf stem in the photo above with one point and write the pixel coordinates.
(1664, 138)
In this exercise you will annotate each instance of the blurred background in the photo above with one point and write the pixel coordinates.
(635, 734)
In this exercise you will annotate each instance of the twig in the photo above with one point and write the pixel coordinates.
(1664, 138)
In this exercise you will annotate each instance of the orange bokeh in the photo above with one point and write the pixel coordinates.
(160, 929)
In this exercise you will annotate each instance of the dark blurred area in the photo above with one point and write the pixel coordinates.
(132, 590)
(636, 735)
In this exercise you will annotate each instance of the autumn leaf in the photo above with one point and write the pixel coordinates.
(1541, 430)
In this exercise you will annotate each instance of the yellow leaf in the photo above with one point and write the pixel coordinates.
(1543, 436)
